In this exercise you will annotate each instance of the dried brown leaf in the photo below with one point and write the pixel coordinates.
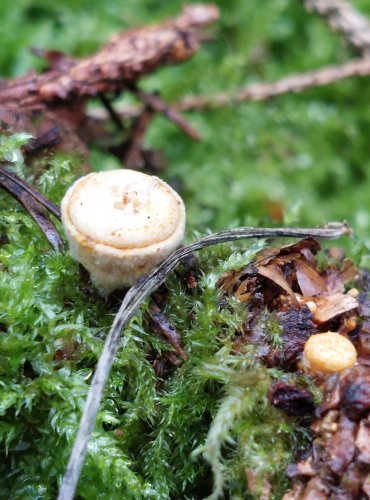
(309, 280)
(335, 278)
(305, 247)
(275, 274)
(332, 306)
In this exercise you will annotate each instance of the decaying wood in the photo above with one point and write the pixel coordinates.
(133, 299)
(343, 18)
(64, 88)
(52, 105)
(338, 463)
(122, 61)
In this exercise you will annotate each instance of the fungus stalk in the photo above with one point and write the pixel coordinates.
(120, 224)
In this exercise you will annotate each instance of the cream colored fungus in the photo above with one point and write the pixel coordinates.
(124, 209)
(121, 223)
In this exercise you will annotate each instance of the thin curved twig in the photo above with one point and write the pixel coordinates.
(133, 299)
(254, 92)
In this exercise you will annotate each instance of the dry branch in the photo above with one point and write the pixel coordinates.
(59, 95)
(258, 91)
(295, 83)
(131, 150)
(155, 103)
(343, 18)
(120, 62)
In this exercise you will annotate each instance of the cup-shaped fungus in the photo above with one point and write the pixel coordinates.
(120, 224)
(329, 352)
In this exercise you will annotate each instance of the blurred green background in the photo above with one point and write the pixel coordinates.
(305, 155)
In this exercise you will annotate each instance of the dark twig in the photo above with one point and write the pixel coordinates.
(155, 103)
(133, 299)
(48, 139)
(166, 329)
(343, 18)
(153, 159)
(114, 116)
(31, 204)
(132, 156)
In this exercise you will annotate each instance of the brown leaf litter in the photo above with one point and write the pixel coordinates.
(338, 464)
(285, 284)
(286, 289)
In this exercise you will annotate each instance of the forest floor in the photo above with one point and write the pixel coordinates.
(300, 159)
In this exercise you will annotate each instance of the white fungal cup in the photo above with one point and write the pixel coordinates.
(120, 224)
